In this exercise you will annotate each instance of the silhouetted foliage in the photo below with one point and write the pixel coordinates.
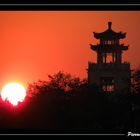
(60, 82)
(52, 99)
(135, 99)
(136, 87)
(67, 102)
(136, 81)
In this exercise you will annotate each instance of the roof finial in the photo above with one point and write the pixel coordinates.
(109, 25)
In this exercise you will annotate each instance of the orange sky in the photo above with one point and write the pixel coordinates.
(37, 43)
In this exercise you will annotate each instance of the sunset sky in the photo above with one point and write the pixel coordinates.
(37, 43)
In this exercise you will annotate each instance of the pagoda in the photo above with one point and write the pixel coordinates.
(110, 73)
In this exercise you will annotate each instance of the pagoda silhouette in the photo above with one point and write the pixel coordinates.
(110, 73)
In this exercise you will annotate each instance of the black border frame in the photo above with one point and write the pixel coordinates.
(65, 5)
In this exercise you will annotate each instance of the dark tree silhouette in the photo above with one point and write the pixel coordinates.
(50, 101)
(136, 81)
(68, 102)
(59, 82)
(135, 99)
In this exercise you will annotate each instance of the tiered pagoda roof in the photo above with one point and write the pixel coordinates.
(109, 34)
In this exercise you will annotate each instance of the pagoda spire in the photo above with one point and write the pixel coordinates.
(109, 25)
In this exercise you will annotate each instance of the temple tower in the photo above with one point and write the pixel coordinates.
(110, 73)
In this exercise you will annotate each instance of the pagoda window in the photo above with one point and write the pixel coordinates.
(108, 88)
(108, 58)
(105, 42)
(109, 42)
(113, 42)
(107, 84)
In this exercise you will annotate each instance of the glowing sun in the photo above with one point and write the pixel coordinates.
(13, 92)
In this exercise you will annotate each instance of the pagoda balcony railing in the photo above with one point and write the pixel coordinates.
(109, 47)
(102, 66)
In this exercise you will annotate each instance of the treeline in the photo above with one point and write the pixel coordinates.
(66, 102)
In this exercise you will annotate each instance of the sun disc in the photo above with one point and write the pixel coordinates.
(13, 92)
